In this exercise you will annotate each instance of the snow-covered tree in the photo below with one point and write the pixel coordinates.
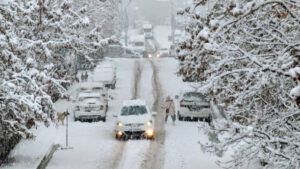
(241, 53)
(41, 40)
(104, 15)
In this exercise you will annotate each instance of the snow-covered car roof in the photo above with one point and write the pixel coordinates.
(105, 64)
(134, 103)
(90, 102)
(103, 75)
(89, 94)
(91, 85)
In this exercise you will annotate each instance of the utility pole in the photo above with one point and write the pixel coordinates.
(126, 27)
(126, 20)
(172, 21)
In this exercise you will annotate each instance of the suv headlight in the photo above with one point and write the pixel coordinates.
(120, 124)
(149, 123)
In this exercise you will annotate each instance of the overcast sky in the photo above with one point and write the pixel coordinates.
(154, 11)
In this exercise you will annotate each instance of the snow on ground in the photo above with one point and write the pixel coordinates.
(161, 34)
(145, 87)
(134, 154)
(94, 143)
(135, 150)
(28, 153)
(181, 142)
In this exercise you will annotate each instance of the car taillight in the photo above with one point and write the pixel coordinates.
(181, 103)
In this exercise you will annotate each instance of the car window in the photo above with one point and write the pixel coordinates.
(133, 110)
(148, 30)
(139, 44)
(89, 97)
(97, 88)
(83, 89)
(129, 51)
(194, 96)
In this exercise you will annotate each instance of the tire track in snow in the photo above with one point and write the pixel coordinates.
(135, 91)
(155, 155)
(137, 79)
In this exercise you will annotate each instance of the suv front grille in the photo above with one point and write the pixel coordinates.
(134, 124)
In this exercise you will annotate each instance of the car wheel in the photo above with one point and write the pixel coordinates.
(104, 119)
(179, 117)
(209, 119)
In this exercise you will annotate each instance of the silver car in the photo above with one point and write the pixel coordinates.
(194, 106)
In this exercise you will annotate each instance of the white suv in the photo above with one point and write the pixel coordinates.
(194, 105)
(135, 120)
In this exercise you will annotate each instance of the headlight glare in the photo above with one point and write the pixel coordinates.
(149, 123)
(150, 132)
(120, 124)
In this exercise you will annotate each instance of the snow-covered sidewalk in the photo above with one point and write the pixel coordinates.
(182, 146)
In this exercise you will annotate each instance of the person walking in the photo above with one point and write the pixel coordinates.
(170, 109)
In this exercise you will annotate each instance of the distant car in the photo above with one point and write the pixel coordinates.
(90, 107)
(194, 105)
(135, 120)
(106, 73)
(138, 44)
(163, 52)
(147, 28)
(129, 53)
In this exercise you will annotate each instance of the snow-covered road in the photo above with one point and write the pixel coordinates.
(94, 144)
(174, 147)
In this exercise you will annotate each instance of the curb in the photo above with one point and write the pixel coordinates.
(47, 157)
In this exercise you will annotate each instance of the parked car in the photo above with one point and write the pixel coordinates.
(112, 51)
(194, 105)
(90, 107)
(106, 73)
(95, 87)
(135, 120)
(163, 52)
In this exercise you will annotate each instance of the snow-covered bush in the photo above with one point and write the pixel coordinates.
(39, 42)
(241, 52)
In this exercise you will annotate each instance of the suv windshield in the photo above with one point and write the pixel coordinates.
(133, 110)
(194, 96)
